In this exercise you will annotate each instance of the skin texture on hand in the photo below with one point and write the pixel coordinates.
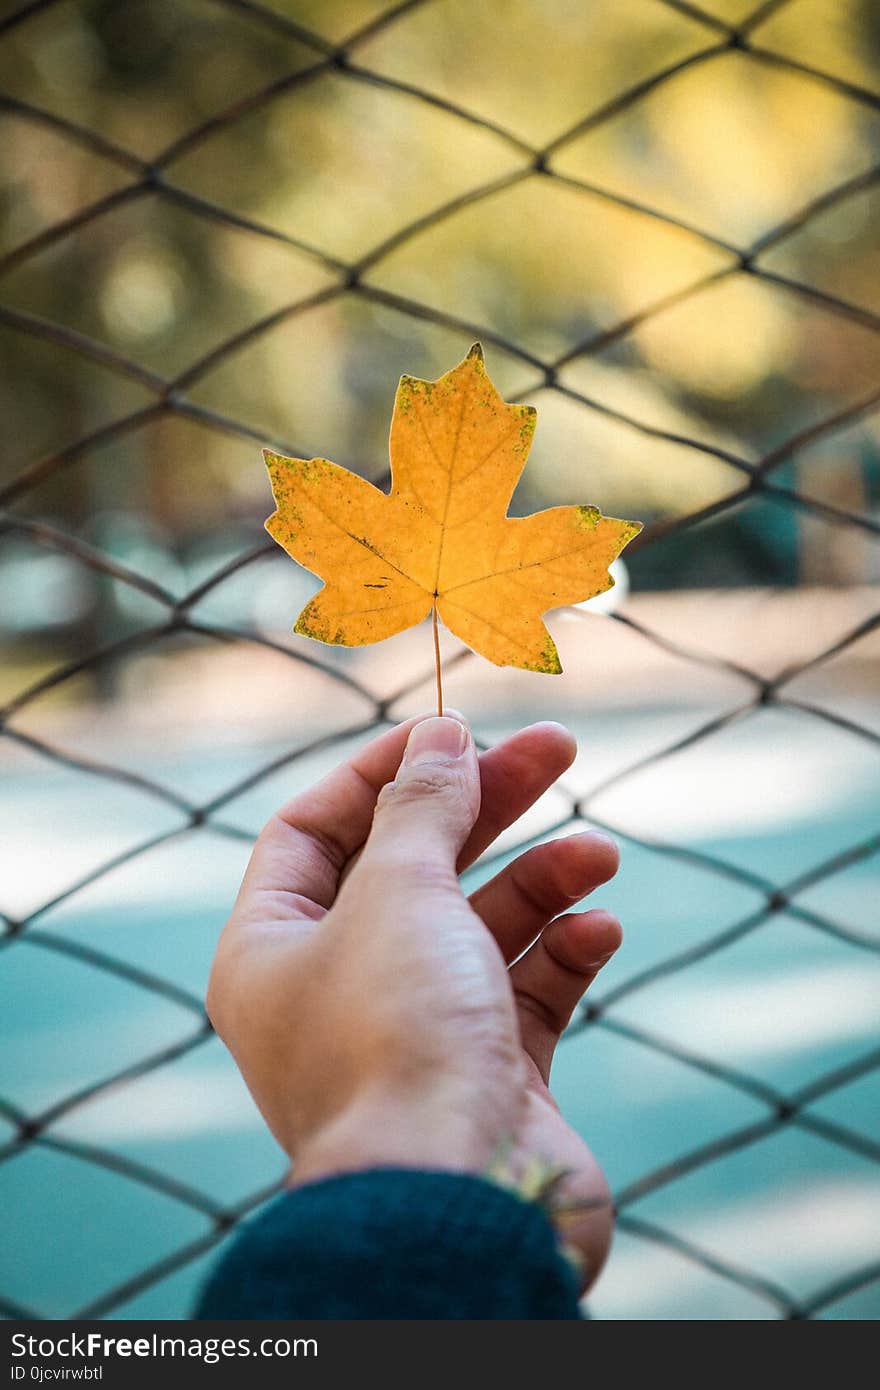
(379, 1016)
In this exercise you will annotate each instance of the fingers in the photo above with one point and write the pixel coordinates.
(514, 774)
(296, 862)
(526, 894)
(424, 816)
(294, 871)
(555, 972)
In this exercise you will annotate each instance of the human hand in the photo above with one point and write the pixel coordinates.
(380, 1017)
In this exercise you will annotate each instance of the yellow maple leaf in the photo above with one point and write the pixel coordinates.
(441, 540)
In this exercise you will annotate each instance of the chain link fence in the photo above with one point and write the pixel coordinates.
(764, 478)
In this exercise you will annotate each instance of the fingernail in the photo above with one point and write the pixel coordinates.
(606, 839)
(436, 741)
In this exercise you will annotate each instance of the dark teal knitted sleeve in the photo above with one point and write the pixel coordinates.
(394, 1243)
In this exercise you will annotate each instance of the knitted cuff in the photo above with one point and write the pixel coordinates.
(395, 1243)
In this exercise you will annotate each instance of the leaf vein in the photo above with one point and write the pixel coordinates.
(493, 627)
(465, 397)
(517, 569)
(495, 447)
(359, 540)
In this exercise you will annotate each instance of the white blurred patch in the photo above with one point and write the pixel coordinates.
(767, 772)
(163, 1106)
(800, 1231)
(745, 1018)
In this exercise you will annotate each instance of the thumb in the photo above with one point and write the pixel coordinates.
(425, 815)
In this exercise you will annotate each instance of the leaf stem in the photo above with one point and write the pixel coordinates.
(437, 659)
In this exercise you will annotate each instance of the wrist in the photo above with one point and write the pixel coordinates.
(387, 1132)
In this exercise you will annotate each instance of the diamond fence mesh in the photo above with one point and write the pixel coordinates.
(764, 477)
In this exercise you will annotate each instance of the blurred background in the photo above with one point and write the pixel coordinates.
(228, 223)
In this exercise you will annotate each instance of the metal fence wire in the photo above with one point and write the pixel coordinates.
(783, 1110)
